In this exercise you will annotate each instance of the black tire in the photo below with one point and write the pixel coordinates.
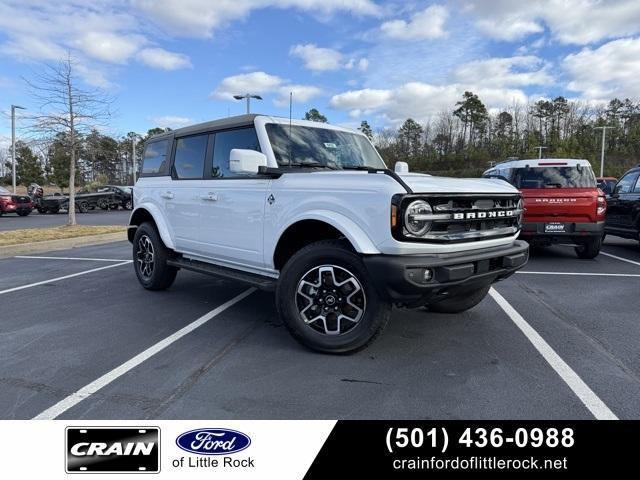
(54, 210)
(354, 296)
(153, 272)
(127, 205)
(83, 206)
(460, 303)
(24, 213)
(590, 249)
(103, 204)
(41, 210)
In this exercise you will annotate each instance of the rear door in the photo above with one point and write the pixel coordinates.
(181, 197)
(232, 206)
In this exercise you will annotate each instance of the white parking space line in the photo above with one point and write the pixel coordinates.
(88, 390)
(73, 258)
(587, 396)
(581, 274)
(620, 258)
(84, 272)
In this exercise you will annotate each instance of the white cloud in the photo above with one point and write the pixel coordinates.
(320, 59)
(612, 70)
(417, 100)
(569, 21)
(203, 17)
(263, 83)
(32, 48)
(110, 47)
(163, 59)
(317, 58)
(424, 25)
(254, 82)
(301, 94)
(516, 71)
(171, 121)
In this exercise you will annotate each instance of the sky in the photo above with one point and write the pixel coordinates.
(171, 63)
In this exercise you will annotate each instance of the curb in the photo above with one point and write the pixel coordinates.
(62, 244)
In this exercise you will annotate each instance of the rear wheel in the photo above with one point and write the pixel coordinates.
(103, 204)
(24, 213)
(327, 300)
(460, 303)
(590, 249)
(150, 257)
(82, 207)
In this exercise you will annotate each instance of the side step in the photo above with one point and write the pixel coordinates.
(259, 281)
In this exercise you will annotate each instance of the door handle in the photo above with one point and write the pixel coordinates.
(167, 195)
(211, 197)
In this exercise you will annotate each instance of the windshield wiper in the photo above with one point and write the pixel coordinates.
(311, 165)
(558, 185)
(364, 168)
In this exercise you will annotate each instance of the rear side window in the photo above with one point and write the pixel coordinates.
(553, 177)
(244, 138)
(189, 157)
(154, 159)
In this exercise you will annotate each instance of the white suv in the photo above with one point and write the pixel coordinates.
(311, 211)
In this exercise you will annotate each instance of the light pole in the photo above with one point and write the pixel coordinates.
(248, 96)
(13, 144)
(133, 156)
(604, 136)
(540, 148)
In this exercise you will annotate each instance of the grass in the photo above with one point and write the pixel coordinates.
(18, 237)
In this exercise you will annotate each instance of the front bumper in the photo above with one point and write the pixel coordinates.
(400, 278)
(574, 232)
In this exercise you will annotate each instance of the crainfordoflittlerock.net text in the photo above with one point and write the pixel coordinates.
(480, 463)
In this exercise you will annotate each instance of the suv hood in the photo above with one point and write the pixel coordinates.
(421, 183)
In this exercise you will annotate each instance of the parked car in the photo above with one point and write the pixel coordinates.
(311, 211)
(122, 196)
(606, 184)
(10, 203)
(623, 213)
(563, 204)
(83, 201)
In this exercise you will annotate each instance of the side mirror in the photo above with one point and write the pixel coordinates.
(246, 161)
(401, 167)
(616, 191)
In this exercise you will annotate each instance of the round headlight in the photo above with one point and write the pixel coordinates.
(412, 222)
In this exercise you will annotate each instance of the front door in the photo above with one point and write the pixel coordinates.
(620, 205)
(232, 206)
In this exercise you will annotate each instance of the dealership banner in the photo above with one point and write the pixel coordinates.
(312, 449)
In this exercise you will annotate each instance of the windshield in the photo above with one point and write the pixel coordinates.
(311, 146)
(553, 177)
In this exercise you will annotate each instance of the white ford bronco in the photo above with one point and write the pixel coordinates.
(311, 211)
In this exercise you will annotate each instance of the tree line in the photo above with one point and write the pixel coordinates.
(468, 139)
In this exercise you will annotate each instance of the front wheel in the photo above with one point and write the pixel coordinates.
(327, 300)
(150, 257)
(460, 303)
(24, 213)
(590, 249)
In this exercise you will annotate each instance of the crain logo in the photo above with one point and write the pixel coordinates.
(486, 214)
(213, 441)
(113, 450)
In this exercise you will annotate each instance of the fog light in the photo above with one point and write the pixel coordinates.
(427, 275)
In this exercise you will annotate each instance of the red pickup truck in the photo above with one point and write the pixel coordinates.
(563, 204)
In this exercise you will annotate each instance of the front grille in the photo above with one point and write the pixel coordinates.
(462, 217)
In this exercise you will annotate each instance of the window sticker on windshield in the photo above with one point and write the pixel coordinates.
(330, 145)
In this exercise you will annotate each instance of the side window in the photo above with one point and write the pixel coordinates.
(226, 141)
(189, 157)
(154, 159)
(626, 183)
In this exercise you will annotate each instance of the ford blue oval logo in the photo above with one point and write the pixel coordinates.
(213, 441)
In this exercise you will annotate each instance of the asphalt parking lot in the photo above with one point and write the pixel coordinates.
(37, 220)
(80, 339)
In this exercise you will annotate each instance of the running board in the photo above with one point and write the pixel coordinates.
(259, 281)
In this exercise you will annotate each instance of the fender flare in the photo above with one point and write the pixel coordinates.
(351, 230)
(159, 220)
